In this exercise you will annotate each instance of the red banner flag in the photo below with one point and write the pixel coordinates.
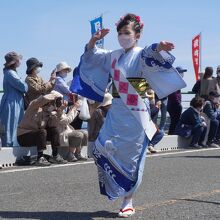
(196, 54)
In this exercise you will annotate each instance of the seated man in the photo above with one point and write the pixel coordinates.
(34, 129)
(211, 111)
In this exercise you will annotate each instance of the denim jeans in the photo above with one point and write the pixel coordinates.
(214, 127)
(198, 135)
(163, 111)
(157, 138)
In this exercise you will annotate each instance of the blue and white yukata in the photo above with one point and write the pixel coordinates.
(120, 149)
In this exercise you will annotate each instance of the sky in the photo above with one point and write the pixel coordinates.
(57, 30)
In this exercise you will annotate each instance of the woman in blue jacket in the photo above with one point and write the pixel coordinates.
(192, 117)
(12, 104)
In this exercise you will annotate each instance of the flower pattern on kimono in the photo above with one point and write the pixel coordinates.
(152, 59)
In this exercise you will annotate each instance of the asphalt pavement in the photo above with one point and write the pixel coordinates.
(176, 185)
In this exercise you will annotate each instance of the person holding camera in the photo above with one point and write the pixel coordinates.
(68, 136)
(62, 70)
(35, 128)
(36, 85)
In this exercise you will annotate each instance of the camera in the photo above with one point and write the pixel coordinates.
(73, 98)
(59, 102)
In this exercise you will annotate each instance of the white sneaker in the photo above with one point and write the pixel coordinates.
(125, 213)
(152, 149)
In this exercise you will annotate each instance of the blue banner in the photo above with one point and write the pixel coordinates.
(97, 24)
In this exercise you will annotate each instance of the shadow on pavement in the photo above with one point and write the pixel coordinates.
(57, 215)
(196, 156)
(202, 201)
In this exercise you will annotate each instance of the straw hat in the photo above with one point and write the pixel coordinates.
(52, 95)
(107, 100)
(63, 66)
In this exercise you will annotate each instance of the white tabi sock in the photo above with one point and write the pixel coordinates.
(127, 203)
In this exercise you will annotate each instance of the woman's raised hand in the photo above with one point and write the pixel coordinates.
(100, 34)
(97, 36)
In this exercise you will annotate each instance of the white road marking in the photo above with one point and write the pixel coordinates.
(92, 162)
(182, 152)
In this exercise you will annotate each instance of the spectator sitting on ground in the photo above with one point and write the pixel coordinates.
(34, 129)
(192, 117)
(74, 139)
(36, 85)
(211, 111)
(97, 119)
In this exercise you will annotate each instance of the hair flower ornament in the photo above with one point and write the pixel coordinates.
(137, 18)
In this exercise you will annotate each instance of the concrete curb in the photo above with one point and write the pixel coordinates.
(8, 155)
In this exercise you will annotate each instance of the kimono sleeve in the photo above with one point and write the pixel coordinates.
(91, 77)
(97, 56)
(157, 68)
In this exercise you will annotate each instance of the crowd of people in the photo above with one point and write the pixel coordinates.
(200, 121)
(30, 115)
(18, 110)
(25, 107)
(33, 112)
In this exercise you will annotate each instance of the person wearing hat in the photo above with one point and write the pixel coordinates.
(97, 119)
(211, 111)
(35, 129)
(208, 83)
(36, 85)
(174, 106)
(218, 78)
(62, 70)
(12, 103)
